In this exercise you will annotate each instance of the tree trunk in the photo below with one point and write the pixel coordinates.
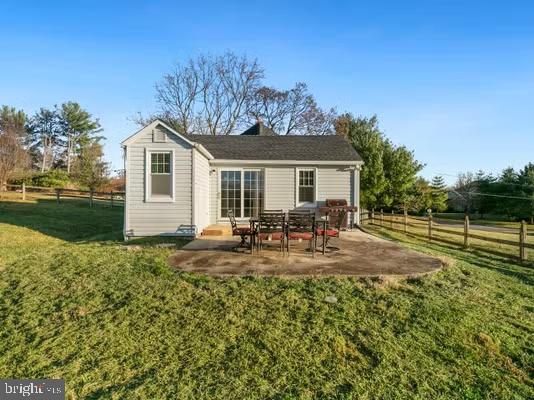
(69, 152)
(43, 161)
(45, 151)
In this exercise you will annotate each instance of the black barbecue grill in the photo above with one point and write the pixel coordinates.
(333, 205)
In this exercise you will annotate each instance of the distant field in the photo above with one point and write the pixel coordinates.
(493, 220)
(120, 324)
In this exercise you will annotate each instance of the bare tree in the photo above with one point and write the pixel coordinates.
(270, 106)
(293, 111)
(208, 94)
(13, 156)
(177, 95)
(465, 189)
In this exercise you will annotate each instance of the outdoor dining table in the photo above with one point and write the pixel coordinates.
(254, 221)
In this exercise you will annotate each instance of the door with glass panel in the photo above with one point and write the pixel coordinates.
(241, 191)
(252, 193)
(230, 193)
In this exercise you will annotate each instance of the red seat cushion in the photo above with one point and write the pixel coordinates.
(301, 235)
(241, 231)
(329, 232)
(274, 235)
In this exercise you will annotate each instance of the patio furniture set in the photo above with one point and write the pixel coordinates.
(276, 225)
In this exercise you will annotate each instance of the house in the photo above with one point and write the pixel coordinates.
(180, 184)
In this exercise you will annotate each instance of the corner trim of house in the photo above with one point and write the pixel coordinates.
(193, 185)
(127, 196)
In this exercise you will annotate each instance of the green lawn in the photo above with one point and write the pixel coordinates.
(120, 324)
(500, 221)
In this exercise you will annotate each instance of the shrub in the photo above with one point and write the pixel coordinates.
(53, 178)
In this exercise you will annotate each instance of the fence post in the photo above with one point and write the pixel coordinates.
(405, 221)
(430, 226)
(381, 217)
(23, 191)
(392, 215)
(522, 241)
(91, 198)
(58, 194)
(372, 216)
(466, 230)
(111, 198)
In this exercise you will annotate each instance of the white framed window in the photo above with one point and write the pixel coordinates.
(306, 186)
(159, 175)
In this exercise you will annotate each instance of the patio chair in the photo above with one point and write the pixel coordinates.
(300, 226)
(271, 224)
(243, 232)
(335, 221)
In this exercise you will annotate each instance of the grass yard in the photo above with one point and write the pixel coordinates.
(120, 324)
(489, 220)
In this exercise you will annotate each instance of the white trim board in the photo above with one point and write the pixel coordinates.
(315, 170)
(132, 138)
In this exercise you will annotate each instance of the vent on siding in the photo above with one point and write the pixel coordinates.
(159, 137)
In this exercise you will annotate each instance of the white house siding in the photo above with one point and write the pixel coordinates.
(280, 188)
(202, 191)
(148, 218)
(333, 182)
(214, 195)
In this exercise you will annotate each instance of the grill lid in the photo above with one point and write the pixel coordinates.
(336, 202)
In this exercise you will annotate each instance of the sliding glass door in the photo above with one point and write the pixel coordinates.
(230, 193)
(253, 193)
(241, 191)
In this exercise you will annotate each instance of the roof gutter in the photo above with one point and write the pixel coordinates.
(285, 162)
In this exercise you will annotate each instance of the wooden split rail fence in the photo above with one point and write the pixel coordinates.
(114, 198)
(411, 224)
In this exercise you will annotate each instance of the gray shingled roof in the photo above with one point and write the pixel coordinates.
(286, 147)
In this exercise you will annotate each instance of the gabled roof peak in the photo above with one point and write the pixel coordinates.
(259, 129)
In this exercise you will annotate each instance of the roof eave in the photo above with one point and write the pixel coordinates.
(287, 162)
(132, 138)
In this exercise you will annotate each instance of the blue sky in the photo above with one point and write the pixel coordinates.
(454, 81)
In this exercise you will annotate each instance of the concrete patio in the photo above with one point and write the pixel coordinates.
(360, 254)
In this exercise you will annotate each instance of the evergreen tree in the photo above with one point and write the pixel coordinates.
(77, 128)
(525, 180)
(44, 137)
(439, 194)
(486, 201)
(89, 168)
(508, 187)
